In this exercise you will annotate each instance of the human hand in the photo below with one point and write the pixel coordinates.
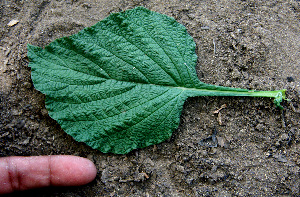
(22, 173)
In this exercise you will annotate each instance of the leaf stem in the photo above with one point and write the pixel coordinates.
(278, 95)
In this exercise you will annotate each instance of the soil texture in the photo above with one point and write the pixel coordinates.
(249, 148)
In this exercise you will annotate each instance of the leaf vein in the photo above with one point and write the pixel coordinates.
(95, 38)
(144, 52)
(144, 119)
(164, 51)
(82, 55)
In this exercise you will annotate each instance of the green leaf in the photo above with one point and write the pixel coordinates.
(121, 84)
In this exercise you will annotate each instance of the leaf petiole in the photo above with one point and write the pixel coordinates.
(278, 95)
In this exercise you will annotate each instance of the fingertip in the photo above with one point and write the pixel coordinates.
(71, 170)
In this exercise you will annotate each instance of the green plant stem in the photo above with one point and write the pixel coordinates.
(278, 95)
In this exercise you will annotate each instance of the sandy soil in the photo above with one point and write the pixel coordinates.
(248, 44)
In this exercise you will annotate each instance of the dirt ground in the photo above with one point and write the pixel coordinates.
(250, 44)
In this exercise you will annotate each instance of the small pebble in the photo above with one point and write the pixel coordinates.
(20, 124)
(27, 85)
(290, 79)
(205, 28)
(44, 112)
(12, 23)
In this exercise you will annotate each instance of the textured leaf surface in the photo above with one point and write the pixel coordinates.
(121, 84)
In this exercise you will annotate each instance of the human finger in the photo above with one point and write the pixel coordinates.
(22, 173)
